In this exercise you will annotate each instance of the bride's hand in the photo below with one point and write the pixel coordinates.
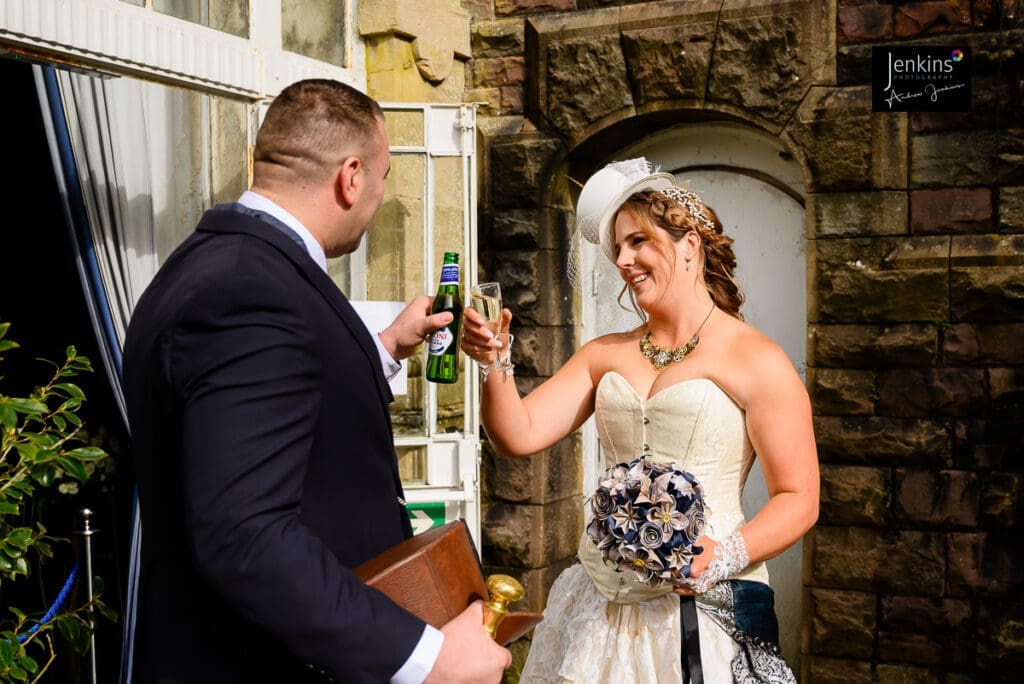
(698, 565)
(478, 342)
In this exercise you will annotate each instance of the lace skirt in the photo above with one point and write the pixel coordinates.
(586, 639)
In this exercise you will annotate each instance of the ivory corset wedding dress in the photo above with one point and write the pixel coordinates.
(604, 626)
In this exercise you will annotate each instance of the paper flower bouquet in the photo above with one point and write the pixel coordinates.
(648, 517)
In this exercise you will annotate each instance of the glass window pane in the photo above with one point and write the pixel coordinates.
(199, 157)
(405, 128)
(230, 16)
(394, 267)
(412, 464)
(449, 236)
(315, 29)
(229, 156)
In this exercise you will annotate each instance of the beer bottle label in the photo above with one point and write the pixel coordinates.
(449, 275)
(440, 340)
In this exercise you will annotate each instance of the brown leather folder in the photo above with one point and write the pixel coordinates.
(436, 575)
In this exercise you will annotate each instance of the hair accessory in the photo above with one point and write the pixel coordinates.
(690, 201)
(660, 357)
(602, 195)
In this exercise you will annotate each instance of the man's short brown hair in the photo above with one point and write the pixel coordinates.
(311, 126)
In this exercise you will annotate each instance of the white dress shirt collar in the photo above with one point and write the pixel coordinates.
(258, 202)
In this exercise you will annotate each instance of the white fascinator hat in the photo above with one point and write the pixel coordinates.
(600, 199)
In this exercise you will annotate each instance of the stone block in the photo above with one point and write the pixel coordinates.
(669, 62)
(531, 536)
(858, 558)
(530, 229)
(984, 563)
(1000, 640)
(844, 557)
(875, 346)
(762, 63)
(987, 280)
(1011, 209)
(504, 8)
(834, 670)
(511, 99)
(951, 210)
(498, 38)
(1006, 390)
(906, 674)
(991, 442)
(880, 279)
(853, 214)
(864, 23)
(545, 477)
(946, 499)
(984, 344)
(833, 127)
(534, 288)
(928, 18)
(853, 495)
(853, 65)
(496, 72)
(929, 392)
(873, 440)
(992, 96)
(926, 631)
(586, 80)
(479, 10)
(841, 623)
(1002, 500)
(915, 563)
(968, 158)
(837, 391)
(488, 99)
(520, 169)
(541, 351)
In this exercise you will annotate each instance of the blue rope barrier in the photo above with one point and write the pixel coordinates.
(61, 598)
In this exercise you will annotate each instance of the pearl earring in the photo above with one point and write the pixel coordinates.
(689, 266)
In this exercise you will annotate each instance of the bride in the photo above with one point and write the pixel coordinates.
(695, 386)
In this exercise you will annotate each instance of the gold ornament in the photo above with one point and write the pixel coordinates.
(660, 357)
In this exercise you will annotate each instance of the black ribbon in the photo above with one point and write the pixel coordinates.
(690, 647)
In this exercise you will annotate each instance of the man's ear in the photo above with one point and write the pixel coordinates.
(349, 180)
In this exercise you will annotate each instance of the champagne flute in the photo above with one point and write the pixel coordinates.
(486, 299)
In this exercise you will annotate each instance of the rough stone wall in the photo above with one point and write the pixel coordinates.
(915, 228)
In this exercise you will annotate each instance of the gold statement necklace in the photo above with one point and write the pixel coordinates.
(660, 357)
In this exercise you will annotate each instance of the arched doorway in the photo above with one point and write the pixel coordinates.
(756, 188)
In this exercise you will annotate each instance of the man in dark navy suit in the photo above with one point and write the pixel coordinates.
(261, 432)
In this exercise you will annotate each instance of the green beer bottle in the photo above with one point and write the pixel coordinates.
(443, 348)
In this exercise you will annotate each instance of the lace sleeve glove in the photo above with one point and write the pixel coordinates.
(730, 557)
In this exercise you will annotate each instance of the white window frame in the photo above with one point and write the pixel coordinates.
(453, 458)
(121, 39)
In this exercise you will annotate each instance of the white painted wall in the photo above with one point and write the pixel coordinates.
(737, 171)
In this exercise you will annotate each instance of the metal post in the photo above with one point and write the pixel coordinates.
(86, 530)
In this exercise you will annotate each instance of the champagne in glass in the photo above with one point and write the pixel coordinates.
(486, 299)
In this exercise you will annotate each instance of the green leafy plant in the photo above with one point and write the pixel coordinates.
(41, 447)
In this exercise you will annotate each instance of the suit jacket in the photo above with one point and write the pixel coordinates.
(266, 467)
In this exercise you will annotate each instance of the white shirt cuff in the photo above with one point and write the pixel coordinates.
(422, 659)
(390, 366)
